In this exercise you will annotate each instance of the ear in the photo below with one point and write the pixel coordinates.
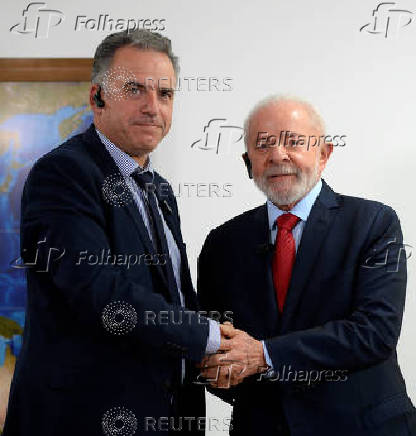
(325, 151)
(248, 164)
(95, 98)
(93, 91)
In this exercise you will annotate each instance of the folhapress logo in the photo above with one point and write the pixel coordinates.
(388, 20)
(37, 20)
(217, 134)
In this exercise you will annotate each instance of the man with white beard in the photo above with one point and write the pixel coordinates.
(319, 280)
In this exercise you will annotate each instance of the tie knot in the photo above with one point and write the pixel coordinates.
(143, 179)
(287, 221)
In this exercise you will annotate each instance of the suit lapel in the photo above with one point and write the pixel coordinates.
(262, 298)
(144, 236)
(169, 211)
(320, 220)
(109, 168)
(170, 215)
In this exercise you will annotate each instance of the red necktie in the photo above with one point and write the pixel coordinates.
(284, 256)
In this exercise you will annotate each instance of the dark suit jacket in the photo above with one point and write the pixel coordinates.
(72, 369)
(334, 347)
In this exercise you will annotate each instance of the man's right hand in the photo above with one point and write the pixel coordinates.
(239, 356)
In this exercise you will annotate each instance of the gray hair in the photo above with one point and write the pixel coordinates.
(315, 117)
(139, 38)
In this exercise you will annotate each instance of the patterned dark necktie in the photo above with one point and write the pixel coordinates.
(146, 183)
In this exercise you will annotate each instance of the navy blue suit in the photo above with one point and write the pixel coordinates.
(334, 347)
(73, 369)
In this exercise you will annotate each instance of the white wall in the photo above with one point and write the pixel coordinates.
(363, 83)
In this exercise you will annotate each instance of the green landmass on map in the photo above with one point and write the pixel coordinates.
(24, 97)
(8, 327)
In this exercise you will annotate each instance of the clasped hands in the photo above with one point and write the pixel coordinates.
(238, 357)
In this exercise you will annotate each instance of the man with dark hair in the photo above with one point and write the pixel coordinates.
(112, 333)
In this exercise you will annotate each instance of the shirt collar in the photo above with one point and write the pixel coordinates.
(125, 163)
(301, 209)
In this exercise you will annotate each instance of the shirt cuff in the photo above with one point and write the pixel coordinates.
(214, 337)
(266, 355)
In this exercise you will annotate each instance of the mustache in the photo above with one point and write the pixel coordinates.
(281, 170)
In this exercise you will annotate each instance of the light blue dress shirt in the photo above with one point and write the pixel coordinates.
(301, 209)
(126, 164)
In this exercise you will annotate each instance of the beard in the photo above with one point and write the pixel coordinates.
(291, 190)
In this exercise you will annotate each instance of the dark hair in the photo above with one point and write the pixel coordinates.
(140, 38)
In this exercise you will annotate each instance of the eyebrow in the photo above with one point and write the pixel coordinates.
(134, 83)
(143, 86)
(167, 89)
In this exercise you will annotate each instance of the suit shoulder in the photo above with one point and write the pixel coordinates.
(69, 157)
(364, 206)
(159, 179)
(362, 216)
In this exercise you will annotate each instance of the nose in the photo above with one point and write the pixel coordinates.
(150, 104)
(278, 153)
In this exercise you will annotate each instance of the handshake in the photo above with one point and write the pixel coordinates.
(238, 357)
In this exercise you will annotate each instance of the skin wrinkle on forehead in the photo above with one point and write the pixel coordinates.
(287, 111)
